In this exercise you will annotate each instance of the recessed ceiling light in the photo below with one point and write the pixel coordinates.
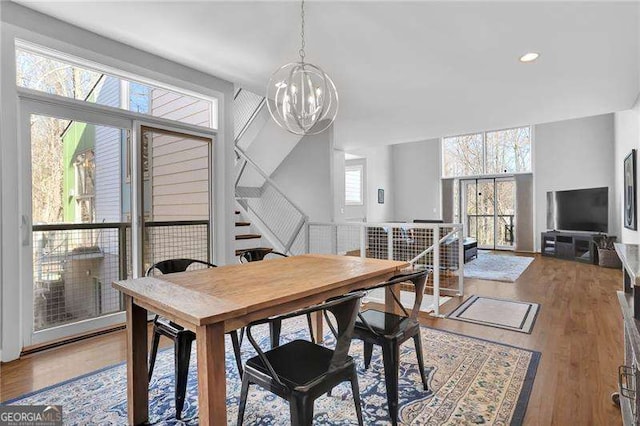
(529, 57)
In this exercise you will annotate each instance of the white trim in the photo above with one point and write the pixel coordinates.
(98, 110)
(78, 327)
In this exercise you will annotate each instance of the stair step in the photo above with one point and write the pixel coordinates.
(248, 236)
(239, 251)
(243, 223)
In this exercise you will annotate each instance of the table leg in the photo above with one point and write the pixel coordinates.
(318, 326)
(137, 375)
(390, 305)
(212, 385)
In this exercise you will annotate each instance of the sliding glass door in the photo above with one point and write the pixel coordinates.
(488, 211)
(103, 199)
(77, 245)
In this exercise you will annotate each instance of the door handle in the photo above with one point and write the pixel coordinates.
(626, 382)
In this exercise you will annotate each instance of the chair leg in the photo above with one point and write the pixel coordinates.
(355, 389)
(274, 331)
(154, 352)
(244, 392)
(390, 355)
(418, 343)
(236, 350)
(310, 324)
(241, 335)
(301, 411)
(368, 352)
(182, 357)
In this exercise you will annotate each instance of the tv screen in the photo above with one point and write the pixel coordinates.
(582, 210)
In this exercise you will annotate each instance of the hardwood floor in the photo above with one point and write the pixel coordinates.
(578, 331)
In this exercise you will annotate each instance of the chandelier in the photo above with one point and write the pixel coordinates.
(300, 96)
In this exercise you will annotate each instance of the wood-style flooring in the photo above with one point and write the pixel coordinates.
(578, 331)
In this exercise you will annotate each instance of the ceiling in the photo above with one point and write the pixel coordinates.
(405, 71)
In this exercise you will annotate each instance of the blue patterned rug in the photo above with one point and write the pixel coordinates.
(474, 382)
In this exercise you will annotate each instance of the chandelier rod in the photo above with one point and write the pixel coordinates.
(302, 44)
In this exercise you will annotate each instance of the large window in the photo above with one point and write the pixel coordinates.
(487, 153)
(353, 185)
(41, 70)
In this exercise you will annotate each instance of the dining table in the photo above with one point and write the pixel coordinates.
(211, 302)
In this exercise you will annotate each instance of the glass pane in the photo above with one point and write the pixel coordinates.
(506, 210)
(462, 155)
(176, 195)
(509, 151)
(485, 232)
(77, 220)
(469, 208)
(485, 197)
(46, 73)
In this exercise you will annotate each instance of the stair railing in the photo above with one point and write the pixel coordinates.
(246, 107)
(267, 204)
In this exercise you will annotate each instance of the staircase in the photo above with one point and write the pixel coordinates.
(265, 216)
(246, 239)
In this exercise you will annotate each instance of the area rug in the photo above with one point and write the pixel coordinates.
(497, 267)
(499, 313)
(473, 382)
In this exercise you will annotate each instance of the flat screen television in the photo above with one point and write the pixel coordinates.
(581, 210)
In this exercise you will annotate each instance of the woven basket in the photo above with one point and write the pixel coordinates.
(608, 258)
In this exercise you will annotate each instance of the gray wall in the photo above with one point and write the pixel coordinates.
(573, 154)
(305, 176)
(416, 180)
(627, 137)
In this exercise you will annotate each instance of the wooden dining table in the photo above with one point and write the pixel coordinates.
(213, 301)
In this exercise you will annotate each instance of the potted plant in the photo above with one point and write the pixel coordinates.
(607, 255)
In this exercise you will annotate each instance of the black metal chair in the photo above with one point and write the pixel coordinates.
(275, 327)
(256, 254)
(182, 339)
(389, 331)
(301, 371)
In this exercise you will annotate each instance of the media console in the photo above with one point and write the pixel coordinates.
(570, 246)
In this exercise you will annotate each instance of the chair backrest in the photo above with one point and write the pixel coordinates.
(345, 310)
(257, 254)
(419, 281)
(171, 266)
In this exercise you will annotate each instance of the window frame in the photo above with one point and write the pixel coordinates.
(484, 154)
(360, 169)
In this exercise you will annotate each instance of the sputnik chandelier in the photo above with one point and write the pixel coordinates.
(300, 96)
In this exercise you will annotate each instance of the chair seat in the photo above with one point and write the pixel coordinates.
(385, 323)
(170, 329)
(286, 361)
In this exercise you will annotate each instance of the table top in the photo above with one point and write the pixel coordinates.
(211, 295)
(630, 256)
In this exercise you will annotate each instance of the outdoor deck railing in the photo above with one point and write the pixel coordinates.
(75, 264)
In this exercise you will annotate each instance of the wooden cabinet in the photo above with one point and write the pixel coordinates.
(570, 246)
(628, 396)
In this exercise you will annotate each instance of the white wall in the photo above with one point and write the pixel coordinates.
(627, 137)
(379, 175)
(573, 154)
(305, 176)
(416, 181)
